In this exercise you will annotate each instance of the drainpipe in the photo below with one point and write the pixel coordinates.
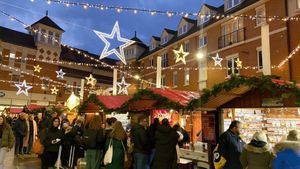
(288, 40)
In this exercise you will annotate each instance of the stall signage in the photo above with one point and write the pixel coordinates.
(161, 114)
(272, 102)
(2, 94)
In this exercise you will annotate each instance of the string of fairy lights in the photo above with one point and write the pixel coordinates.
(153, 12)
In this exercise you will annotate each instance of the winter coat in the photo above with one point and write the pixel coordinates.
(165, 144)
(26, 137)
(257, 155)
(118, 153)
(8, 139)
(20, 128)
(151, 135)
(230, 147)
(49, 134)
(140, 140)
(288, 155)
(93, 139)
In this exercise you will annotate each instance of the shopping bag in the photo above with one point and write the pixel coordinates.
(108, 154)
(58, 163)
(219, 160)
(37, 147)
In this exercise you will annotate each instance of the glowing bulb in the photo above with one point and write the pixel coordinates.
(135, 11)
(137, 77)
(199, 55)
(49, 2)
(85, 6)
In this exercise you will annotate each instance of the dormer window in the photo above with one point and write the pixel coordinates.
(183, 29)
(165, 39)
(231, 3)
(204, 18)
(152, 46)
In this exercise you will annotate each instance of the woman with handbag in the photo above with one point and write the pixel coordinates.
(51, 138)
(116, 154)
(7, 139)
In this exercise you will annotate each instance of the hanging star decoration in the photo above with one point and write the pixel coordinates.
(123, 86)
(72, 102)
(115, 32)
(37, 68)
(181, 54)
(60, 74)
(217, 60)
(54, 90)
(91, 80)
(239, 63)
(23, 88)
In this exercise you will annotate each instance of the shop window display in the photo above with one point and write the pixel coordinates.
(276, 122)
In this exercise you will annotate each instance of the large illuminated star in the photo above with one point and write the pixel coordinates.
(115, 32)
(23, 88)
(180, 55)
(60, 74)
(217, 60)
(239, 63)
(123, 86)
(91, 80)
(54, 90)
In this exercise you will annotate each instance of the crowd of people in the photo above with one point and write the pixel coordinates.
(258, 154)
(104, 143)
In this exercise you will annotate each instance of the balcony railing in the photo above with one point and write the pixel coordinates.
(232, 38)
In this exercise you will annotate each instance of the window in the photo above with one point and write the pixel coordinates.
(152, 46)
(260, 14)
(15, 78)
(45, 84)
(151, 61)
(202, 41)
(163, 80)
(175, 79)
(12, 57)
(165, 60)
(151, 81)
(43, 35)
(232, 68)
(23, 60)
(203, 18)
(186, 77)
(57, 39)
(259, 59)
(68, 89)
(186, 46)
(183, 29)
(232, 3)
(298, 4)
(50, 37)
(165, 39)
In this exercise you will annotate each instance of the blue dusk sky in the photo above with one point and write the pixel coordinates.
(79, 23)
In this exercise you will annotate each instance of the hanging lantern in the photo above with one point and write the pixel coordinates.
(73, 101)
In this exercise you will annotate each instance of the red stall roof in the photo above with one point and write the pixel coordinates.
(113, 102)
(34, 106)
(15, 110)
(182, 97)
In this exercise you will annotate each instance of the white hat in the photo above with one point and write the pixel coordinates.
(260, 136)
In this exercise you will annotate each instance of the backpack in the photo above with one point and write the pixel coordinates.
(89, 138)
(219, 160)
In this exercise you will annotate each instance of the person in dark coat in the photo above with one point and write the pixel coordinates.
(20, 128)
(231, 146)
(67, 144)
(288, 152)
(51, 138)
(151, 132)
(165, 144)
(79, 149)
(94, 143)
(141, 143)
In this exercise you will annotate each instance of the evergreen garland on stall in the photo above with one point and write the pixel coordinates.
(92, 99)
(263, 83)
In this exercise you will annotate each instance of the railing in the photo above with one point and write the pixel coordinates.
(232, 38)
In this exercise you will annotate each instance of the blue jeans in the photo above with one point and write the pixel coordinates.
(141, 161)
(151, 157)
(19, 145)
(30, 143)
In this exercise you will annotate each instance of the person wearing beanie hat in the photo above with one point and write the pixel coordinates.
(288, 152)
(258, 153)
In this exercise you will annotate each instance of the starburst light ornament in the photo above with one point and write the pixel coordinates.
(54, 90)
(37, 68)
(239, 63)
(180, 55)
(217, 60)
(23, 88)
(91, 80)
(60, 74)
(115, 32)
(123, 86)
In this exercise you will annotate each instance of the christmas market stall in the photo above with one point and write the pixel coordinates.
(102, 105)
(260, 103)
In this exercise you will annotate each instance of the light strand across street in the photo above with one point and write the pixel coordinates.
(152, 12)
(296, 50)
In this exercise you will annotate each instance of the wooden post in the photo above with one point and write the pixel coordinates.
(81, 89)
(158, 73)
(115, 79)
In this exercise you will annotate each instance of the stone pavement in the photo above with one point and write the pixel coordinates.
(23, 162)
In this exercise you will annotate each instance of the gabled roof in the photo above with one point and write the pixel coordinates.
(139, 42)
(16, 38)
(193, 21)
(47, 21)
(156, 38)
(211, 7)
(170, 31)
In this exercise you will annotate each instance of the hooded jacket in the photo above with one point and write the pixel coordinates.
(257, 155)
(288, 155)
(165, 145)
(8, 139)
(140, 140)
